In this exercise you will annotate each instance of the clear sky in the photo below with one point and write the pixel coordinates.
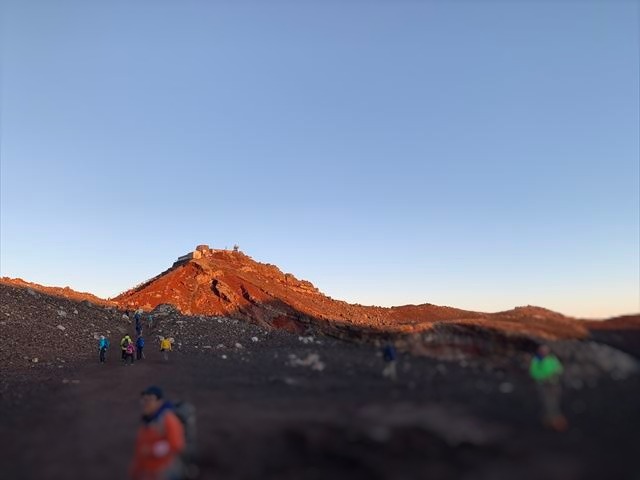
(475, 154)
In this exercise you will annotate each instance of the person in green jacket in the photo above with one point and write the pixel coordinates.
(546, 369)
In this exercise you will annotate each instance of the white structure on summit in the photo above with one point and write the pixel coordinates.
(200, 252)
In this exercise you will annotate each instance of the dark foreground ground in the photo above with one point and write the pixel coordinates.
(276, 406)
(260, 417)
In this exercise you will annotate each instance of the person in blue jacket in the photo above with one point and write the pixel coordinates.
(139, 347)
(138, 319)
(390, 357)
(103, 345)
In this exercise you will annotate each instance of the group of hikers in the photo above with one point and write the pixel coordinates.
(162, 446)
(164, 443)
(130, 349)
(545, 369)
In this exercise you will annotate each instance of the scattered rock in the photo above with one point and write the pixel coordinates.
(506, 387)
(588, 361)
(312, 361)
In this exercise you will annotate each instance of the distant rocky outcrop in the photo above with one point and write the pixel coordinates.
(62, 292)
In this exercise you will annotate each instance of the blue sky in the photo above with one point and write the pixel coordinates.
(475, 154)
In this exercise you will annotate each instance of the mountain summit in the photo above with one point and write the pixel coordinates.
(216, 282)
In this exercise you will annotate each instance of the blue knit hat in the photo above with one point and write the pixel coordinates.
(153, 390)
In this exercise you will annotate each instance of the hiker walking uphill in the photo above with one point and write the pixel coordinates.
(160, 441)
(390, 357)
(139, 348)
(124, 343)
(546, 369)
(138, 319)
(103, 345)
(165, 347)
(129, 353)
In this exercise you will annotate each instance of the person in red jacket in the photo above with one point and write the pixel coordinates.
(160, 441)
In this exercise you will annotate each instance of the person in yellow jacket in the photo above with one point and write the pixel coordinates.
(165, 347)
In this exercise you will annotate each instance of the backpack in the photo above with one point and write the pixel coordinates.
(129, 349)
(186, 413)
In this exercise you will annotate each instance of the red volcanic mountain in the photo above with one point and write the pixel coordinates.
(214, 282)
(230, 283)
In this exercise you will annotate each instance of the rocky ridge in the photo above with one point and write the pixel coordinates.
(224, 283)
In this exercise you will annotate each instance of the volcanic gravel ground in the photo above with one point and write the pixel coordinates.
(289, 407)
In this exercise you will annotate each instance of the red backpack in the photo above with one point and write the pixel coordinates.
(129, 349)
